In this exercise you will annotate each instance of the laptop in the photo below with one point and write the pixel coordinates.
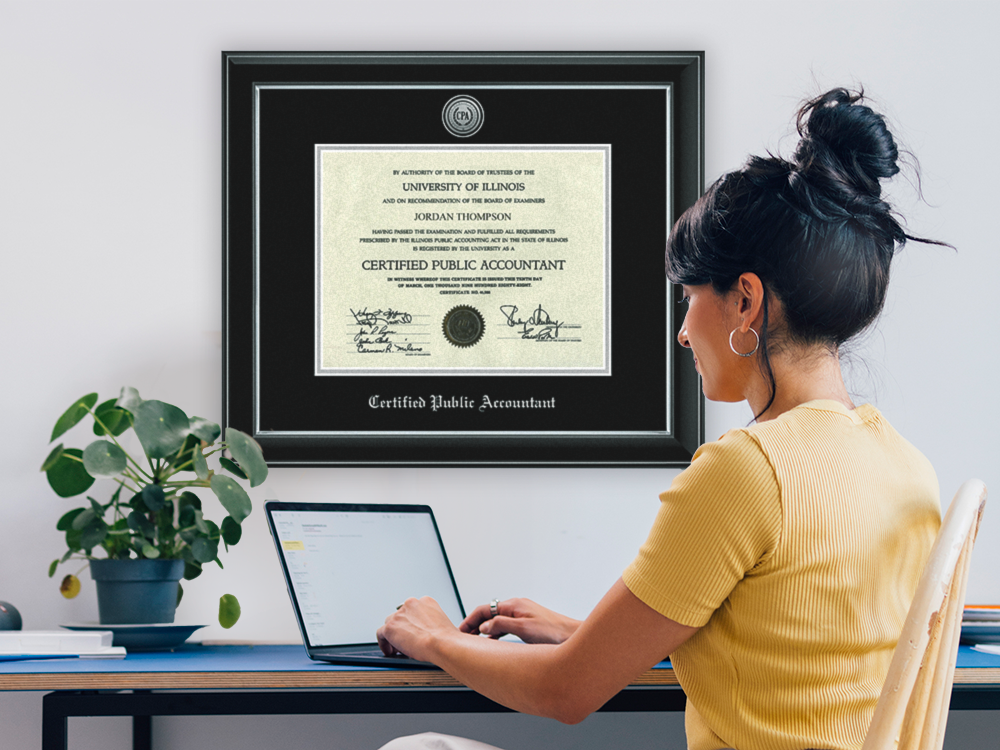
(348, 566)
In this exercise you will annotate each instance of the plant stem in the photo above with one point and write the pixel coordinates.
(136, 490)
(187, 483)
(115, 441)
(180, 468)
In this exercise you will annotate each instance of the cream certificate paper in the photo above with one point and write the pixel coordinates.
(449, 260)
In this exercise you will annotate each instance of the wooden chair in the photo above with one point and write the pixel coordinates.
(912, 710)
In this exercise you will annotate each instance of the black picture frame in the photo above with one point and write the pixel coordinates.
(647, 409)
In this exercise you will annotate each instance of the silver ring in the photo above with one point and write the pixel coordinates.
(494, 607)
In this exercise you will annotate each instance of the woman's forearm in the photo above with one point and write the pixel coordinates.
(530, 678)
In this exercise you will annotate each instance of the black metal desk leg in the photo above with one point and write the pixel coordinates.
(55, 723)
(142, 733)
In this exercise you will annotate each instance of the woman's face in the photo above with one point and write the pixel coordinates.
(705, 331)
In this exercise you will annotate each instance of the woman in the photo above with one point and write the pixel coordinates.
(782, 562)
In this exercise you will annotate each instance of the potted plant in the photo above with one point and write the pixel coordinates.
(152, 528)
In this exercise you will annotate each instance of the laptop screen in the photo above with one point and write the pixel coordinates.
(349, 566)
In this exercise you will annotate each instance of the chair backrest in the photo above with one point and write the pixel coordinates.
(912, 710)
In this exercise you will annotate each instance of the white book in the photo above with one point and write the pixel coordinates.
(55, 643)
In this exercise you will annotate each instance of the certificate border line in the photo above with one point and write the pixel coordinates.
(577, 371)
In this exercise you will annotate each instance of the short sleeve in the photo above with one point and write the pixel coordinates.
(720, 519)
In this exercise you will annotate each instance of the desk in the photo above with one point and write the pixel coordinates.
(228, 680)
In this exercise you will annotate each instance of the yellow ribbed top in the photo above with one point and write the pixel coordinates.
(796, 544)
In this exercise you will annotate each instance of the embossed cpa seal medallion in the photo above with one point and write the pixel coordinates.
(463, 326)
(462, 116)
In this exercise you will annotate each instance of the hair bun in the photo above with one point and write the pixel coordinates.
(844, 144)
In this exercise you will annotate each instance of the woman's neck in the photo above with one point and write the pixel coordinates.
(801, 374)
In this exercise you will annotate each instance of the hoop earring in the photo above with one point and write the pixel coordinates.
(749, 353)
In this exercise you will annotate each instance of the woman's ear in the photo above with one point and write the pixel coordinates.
(749, 300)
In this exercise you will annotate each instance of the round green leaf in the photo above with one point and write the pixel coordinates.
(231, 531)
(65, 523)
(149, 551)
(205, 430)
(68, 477)
(153, 497)
(129, 400)
(248, 454)
(104, 459)
(53, 456)
(52, 567)
(73, 540)
(189, 499)
(93, 534)
(84, 519)
(96, 507)
(199, 522)
(200, 464)
(191, 570)
(73, 415)
(233, 497)
(205, 549)
(230, 466)
(161, 428)
(229, 610)
(116, 420)
(141, 525)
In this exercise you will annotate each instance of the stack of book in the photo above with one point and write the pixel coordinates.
(18, 645)
(981, 624)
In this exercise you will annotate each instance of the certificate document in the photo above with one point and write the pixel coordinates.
(450, 260)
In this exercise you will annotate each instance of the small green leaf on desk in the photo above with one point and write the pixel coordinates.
(229, 610)
(73, 415)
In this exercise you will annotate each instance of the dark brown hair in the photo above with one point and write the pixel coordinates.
(814, 228)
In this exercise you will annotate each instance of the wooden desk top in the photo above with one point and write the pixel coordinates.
(269, 667)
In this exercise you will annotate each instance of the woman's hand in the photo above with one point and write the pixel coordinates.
(414, 628)
(524, 618)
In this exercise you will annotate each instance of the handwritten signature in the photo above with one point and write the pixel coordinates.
(388, 347)
(375, 335)
(539, 325)
(381, 317)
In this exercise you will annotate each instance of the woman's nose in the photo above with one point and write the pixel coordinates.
(682, 336)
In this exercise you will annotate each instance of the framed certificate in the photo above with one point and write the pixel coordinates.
(456, 259)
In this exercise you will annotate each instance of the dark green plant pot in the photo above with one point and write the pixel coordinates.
(136, 591)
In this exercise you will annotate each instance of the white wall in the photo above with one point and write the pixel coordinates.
(110, 239)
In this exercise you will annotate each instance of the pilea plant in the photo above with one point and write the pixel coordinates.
(153, 513)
